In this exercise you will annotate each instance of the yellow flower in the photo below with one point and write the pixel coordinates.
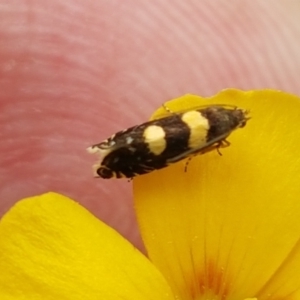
(228, 228)
(52, 248)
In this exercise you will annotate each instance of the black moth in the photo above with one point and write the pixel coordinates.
(156, 144)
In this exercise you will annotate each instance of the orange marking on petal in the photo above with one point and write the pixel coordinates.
(210, 281)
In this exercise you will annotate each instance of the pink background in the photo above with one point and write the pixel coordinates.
(74, 72)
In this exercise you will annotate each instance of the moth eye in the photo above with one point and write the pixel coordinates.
(243, 123)
(105, 173)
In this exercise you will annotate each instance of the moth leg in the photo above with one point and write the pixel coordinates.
(216, 146)
(222, 144)
(187, 163)
(210, 148)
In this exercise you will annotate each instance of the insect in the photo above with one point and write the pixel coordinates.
(158, 143)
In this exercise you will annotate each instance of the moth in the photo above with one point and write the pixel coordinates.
(168, 139)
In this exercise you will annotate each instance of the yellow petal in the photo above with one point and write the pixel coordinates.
(52, 248)
(229, 227)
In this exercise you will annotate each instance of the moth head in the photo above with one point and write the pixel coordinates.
(242, 117)
(103, 172)
(101, 150)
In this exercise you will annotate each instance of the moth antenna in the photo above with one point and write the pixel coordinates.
(167, 109)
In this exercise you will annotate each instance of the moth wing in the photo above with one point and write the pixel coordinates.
(200, 150)
(119, 140)
(168, 112)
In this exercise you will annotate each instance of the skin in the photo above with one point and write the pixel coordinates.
(72, 74)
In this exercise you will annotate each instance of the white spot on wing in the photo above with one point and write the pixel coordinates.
(96, 150)
(129, 140)
(92, 150)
